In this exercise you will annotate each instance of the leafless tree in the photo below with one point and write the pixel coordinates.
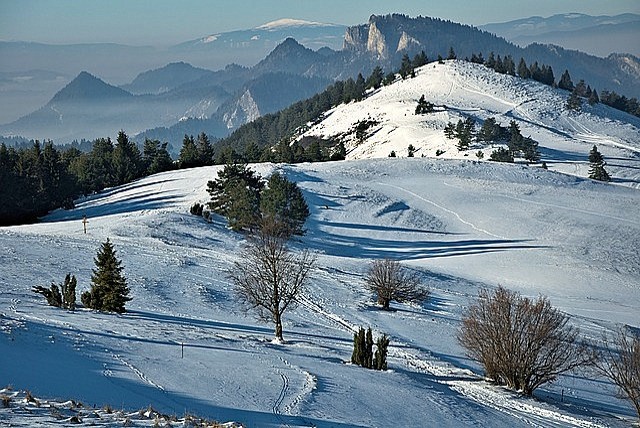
(269, 276)
(520, 342)
(389, 280)
(619, 361)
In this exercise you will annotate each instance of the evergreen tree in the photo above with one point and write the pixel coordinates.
(205, 150)
(368, 355)
(597, 163)
(109, 291)
(501, 155)
(375, 79)
(491, 61)
(419, 60)
(69, 292)
(509, 66)
(574, 102)
(593, 98)
(360, 87)
(392, 154)
(565, 81)
(452, 54)
(155, 157)
(235, 194)
(126, 159)
(523, 70)
(411, 151)
(189, 155)
(380, 359)
(405, 66)
(283, 201)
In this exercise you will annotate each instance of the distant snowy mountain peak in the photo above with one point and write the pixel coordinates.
(289, 22)
(461, 90)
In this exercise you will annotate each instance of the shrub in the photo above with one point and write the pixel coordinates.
(389, 280)
(196, 209)
(521, 343)
(619, 361)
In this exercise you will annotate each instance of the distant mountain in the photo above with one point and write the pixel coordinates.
(597, 35)
(89, 108)
(88, 88)
(120, 64)
(288, 57)
(165, 78)
(388, 37)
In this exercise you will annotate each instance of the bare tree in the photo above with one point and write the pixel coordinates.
(619, 361)
(269, 277)
(389, 280)
(520, 342)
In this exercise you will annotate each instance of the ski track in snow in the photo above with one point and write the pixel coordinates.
(447, 210)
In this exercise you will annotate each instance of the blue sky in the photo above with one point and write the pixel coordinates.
(161, 22)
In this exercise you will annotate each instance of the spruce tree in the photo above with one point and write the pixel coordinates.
(283, 200)
(597, 163)
(523, 70)
(69, 292)
(565, 81)
(109, 291)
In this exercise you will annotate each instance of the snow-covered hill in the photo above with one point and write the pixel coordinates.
(472, 90)
(186, 346)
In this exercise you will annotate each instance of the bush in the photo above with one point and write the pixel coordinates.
(196, 209)
(521, 343)
(501, 155)
(388, 280)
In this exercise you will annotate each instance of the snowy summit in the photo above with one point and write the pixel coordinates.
(280, 24)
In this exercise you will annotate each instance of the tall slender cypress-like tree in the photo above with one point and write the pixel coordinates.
(109, 291)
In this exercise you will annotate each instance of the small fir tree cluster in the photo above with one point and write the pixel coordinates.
(60, 297)
(109, 291)
(424, 106)
(363, 350)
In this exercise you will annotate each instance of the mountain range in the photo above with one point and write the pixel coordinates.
(180, 98)
(596, 35)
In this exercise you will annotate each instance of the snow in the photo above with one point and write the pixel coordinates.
(472, 90)
(186, 346)
(288, 22)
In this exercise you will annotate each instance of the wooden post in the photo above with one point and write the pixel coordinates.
(84, 223)
(182, 349)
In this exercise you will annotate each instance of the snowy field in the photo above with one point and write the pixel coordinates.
(186, 346)
(460, 90)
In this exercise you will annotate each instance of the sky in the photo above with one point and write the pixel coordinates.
(166, 22)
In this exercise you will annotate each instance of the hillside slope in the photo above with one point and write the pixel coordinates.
(461, 225)
(460, 90)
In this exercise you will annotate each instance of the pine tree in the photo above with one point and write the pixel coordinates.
(375, 79)
(405, 66)
(523, 70)
(189, 155)
(205, 150)
(597, 163)
(411, 151)
(452, 54)
(235, 194)
(574, 102)
(109, 291)
(283, 201)
(126, 160)
(593, 98)
(565, 81)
